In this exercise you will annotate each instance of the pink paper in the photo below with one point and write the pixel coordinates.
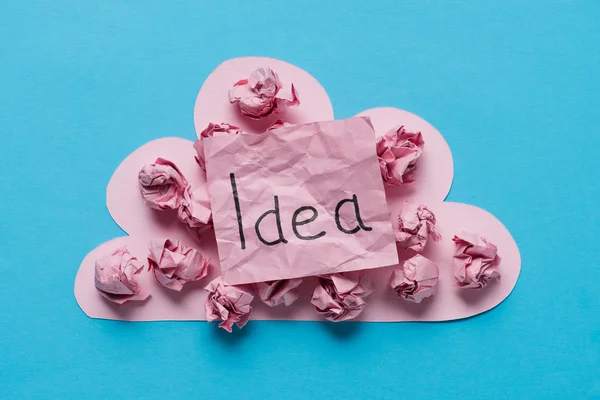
(433, 179)
(476, 261)
(174, 264)
(261, 94)
(212, 103)
(274, 293)
(298, 201)
(399, 152)
(278, 124)
(162, 186)
(415, 279)
(416, 224)
(340, 297)
(230, 304)
(114, 277)
(450, 302)
(212, 130)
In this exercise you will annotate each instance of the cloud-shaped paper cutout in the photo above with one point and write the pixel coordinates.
(433, 181)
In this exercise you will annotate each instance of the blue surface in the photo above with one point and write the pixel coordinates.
(513, 87)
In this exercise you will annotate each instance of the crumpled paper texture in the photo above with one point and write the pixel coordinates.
(313, 165)
(399, 152)
(416, 279)
(262, 95)
(114, 277)
(209, 131)
(476, 261)
(278, 124)
(175, 264)
(162, 185)
(274, 293)
(230, 304)
(195, 208)
(340, 297)
(416, 223)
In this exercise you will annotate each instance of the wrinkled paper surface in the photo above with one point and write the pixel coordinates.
(312, 165)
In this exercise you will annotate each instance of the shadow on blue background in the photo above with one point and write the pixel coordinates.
(513, 87)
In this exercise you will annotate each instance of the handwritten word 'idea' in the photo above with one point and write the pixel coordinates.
(296, 221)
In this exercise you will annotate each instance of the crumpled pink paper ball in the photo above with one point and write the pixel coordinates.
(175, 264)
(114, 277)
(195, 209)
(283, 291)
(399, 152)
(340, 297)
(415, 279)
(162, 185)
(230, 304)
(210, 131)
(476, 261)
(261, 94)
(416, 223)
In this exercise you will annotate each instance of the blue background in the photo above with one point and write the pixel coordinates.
(513, 87)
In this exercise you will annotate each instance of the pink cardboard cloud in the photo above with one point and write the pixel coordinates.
(433, 179)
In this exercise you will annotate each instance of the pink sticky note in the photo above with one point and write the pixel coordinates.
(299, 201)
